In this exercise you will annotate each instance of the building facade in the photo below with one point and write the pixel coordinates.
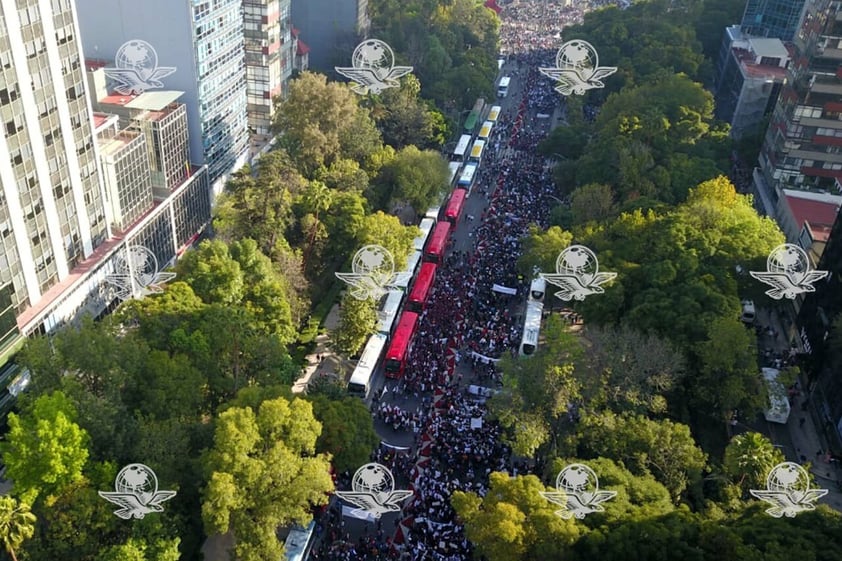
(197, 46)
(775, 19)
(332, 29)
(750, 74)
(52, 208)
(270, 56)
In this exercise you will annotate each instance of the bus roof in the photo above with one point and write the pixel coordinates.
(426, 226)
(462, 145)
(411, 264)
(476, 150)
(454, 207)
(504, 81)
(494, 114)
(389, 310)
(467, 176)
(369, 359)
(295, 546)
(423, 284)
(402, 337)
(438, 240)
(485, 131)
(433, 212)
(532, 323)
(471, 121)
(454, 169)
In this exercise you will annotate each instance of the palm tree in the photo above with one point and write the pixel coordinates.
(317, 199)
(17, 524)
(749, 457)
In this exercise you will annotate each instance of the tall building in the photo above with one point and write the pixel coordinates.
(775, 19)
(750, 74)
(822, 359)
(332, 29)
(52, 208)
(193, 46)
(270, 57)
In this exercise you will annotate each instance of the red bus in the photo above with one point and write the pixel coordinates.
(400, 345)
(438, 243)
(454, 207)
(421, 289)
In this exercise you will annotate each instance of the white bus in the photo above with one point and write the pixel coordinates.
(360, 382)
(537, 289)
(411, 264)
(485, 130)
(476, 152)
(461, 148)
(433, 212)
(299, 542)
(779, 408)
(531, 327)
(503, 88)
(426, 227)
(454, 171)
(467, 177)
(389, 311)
(494, 113)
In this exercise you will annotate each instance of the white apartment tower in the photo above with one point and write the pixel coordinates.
(52, 212)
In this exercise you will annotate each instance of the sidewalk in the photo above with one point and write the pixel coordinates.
(806, 438)
(330, 361)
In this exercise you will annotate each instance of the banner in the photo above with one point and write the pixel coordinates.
(483, 358)
(504, 289)
(358, 513)
(393, 447)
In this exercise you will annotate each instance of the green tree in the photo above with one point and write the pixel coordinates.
(212, 273)
(513, 521)
(17, 524)
(592, 202)
(404, 119)
(357, 322)
(541, 249)
(263, 473)
(414, 176)
(387, 231)
(347, 431)
(45, 449)
(748, 459)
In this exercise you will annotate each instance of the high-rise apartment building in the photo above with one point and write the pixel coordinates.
(52, 209)
(193, 46)
(803, 144)
(270, 57)
(331, 28)
(774, 19)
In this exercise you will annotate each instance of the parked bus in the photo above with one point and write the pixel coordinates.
(389, 311)
(461, 148)
(476, 152)
(411, 265)
(467, 177)
(421, 289)
(475, 115)
(360, 382)
(503, 88)
(531, 327)
(433, 212)
(537, 289)
(494, 113)
(454, 207)
(426, 226)
(299, 542)
(438, 243)
(401, 344)
(454, 171)
(485, 130)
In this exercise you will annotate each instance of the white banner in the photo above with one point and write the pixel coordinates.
(504, 289)
(358, 513)
(393, 447)
(483, 358)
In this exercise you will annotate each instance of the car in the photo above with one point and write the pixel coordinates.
(748, 313)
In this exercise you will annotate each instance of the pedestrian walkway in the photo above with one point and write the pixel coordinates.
(323, 361)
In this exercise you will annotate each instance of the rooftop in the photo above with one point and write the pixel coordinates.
(112, 146)
(773, 48)
(303, 49)
(92, 64)
(818, 214)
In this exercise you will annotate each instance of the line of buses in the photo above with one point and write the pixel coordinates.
(400, 308)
